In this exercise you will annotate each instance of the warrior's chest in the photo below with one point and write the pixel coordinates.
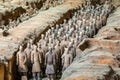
(22, 56)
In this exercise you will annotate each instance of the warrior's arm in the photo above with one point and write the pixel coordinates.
(62, 59)
(25, 60)
(43, 54)
(56, 56)
(40, 58)
(32, 57)
(74, 51)
(25, 52)
(71, 59)
(46, 59)
(17, 62)
(54, 59)
(61, 51)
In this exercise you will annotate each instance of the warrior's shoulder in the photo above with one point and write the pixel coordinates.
(32, 52)
(18, 52)
(47, 53)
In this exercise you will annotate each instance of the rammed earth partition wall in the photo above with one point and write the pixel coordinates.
(13, 9)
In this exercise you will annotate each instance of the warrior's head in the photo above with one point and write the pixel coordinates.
(50, 49)
(34, 47)
(28, 45)
(20, 48)
(42, 36)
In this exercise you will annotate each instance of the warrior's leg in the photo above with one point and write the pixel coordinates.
(34, 76)
(38, 75)
(52, 78)
(64, 68)
(48, 75)
(24, 76)
(29, 73)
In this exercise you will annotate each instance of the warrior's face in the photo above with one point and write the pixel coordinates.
(28, 45)
(31, 41)
(20, 48)
(50, 49)
(42, 36)
(65, 21)
(57, 26)
(35, 47)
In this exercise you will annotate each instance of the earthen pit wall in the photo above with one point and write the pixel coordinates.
(91, 43)
(7, 74)
(18, 10)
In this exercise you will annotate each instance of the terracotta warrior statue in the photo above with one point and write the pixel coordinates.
(21, 62)
(57, 51)
(36, 60)
(50, 63)
(28, 51)
(66, 59)
(40, 50)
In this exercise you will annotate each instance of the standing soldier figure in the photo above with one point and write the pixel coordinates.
(21, 62)
(28, 51)
(50, 63)
(36, 60)
(66, 59)
(41, 52)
